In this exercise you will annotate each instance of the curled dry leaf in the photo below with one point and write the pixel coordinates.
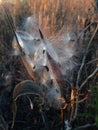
(27, 87)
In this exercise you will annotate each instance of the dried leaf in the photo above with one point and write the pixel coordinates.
(27, 87)
(31, 104)
(14, 110)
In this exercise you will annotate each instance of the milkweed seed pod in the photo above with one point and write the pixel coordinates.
(47, 61)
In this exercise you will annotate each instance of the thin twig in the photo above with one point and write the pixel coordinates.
(72, 104)
(85, 126)
(82, 100)
(63, 118)
(81, 67)
(89, 77)
(76, 108)
(95, 60)
(76, 102)
(86, 28)
(84, 58)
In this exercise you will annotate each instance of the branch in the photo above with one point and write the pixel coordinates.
(74, 113)
(82, 100)
(84, 58)
(89, 77)
(81, 67)
(92, 61)
(86, 28)
(77, 101)
(85, 126)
